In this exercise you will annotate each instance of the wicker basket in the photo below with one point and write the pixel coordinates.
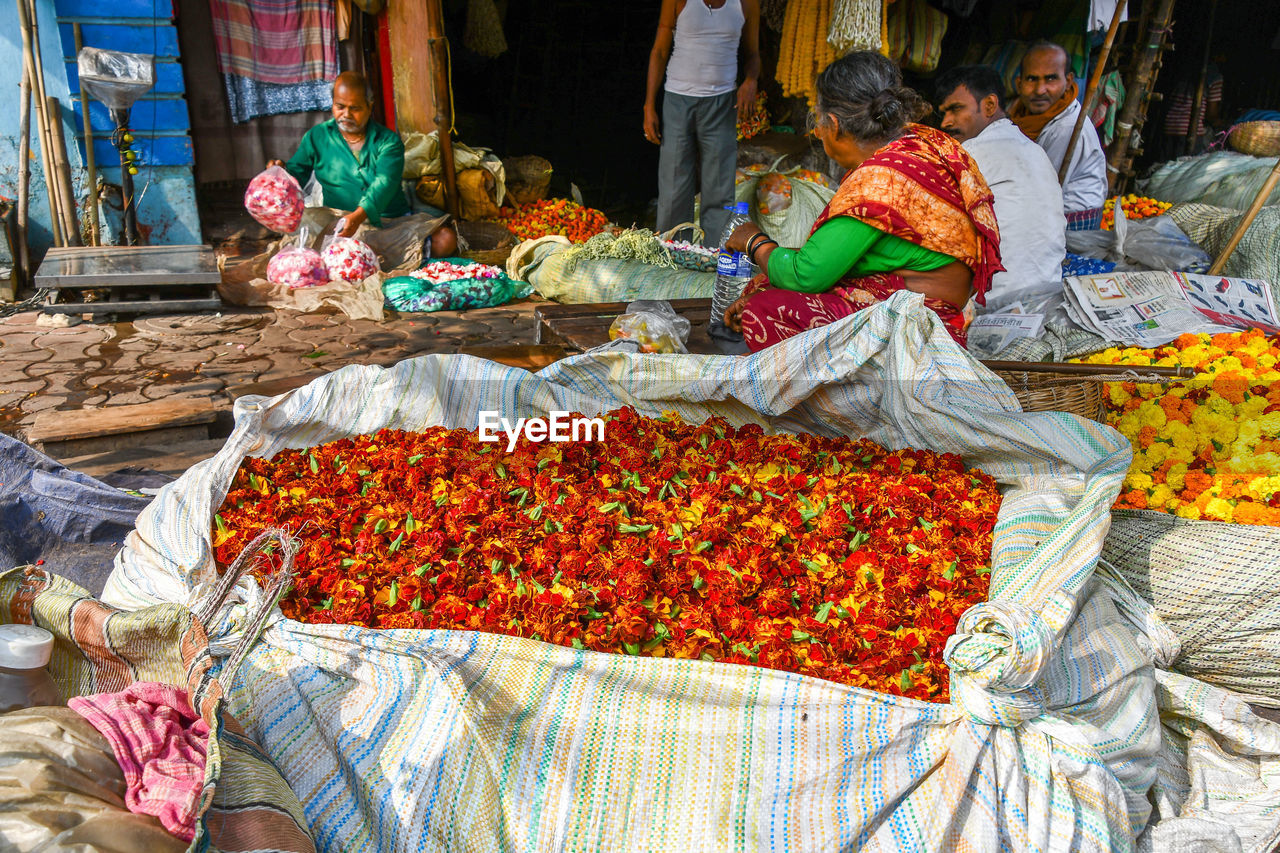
(1048, 392)
(528, 178)
(486, 242)
(1259, 138)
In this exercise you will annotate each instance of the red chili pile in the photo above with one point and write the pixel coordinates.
(823, 556)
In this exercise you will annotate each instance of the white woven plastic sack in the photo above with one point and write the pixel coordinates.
(595, 280)
(791, 225)
(1214, 585)
(439, 740)
(1221, 178)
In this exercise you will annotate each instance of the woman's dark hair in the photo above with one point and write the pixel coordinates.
(864, 91)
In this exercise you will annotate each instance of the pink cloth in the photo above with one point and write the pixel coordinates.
(161, 745)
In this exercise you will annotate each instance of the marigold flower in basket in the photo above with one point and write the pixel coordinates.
(349, 259)
(822, 556)
(1208, 448)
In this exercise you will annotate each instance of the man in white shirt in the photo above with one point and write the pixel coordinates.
(1033, 239)
(1046, 112)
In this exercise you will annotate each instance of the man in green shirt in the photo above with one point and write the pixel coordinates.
(359, 164)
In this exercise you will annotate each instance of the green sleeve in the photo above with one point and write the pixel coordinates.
(304, 160)
(828, 254)
(388, 173)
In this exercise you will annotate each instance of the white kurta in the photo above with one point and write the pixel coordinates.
(1086, 184)
(1033, 229)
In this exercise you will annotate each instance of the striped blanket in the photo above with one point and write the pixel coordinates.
(450, 740)
(276, 41)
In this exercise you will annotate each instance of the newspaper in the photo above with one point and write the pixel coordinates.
(1150, 309)
(989, 334)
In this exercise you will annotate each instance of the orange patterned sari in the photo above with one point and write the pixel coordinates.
(922, 187)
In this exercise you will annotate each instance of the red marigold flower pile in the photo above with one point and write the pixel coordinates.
(553, 216)
(824, 556)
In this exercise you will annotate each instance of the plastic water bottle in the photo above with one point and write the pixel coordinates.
(733, 269)
(24, 681)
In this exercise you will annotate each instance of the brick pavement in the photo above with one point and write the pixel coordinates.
(154, 358)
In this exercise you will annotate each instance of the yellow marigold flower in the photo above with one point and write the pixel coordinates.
(1176, 478)
(1188, 511)
(1219, 510)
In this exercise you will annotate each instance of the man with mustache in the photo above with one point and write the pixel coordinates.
(1046, 112)
(1033, 238)
(359, 165)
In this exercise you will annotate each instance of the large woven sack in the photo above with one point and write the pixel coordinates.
(1257, 255)
(1220, 178)
(1214, 585)
(592, 280)
(100, 649)
(792, 225)
(445, 740)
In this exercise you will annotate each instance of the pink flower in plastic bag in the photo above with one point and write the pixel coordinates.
(274, 198)
(298, 267)
(350, 260)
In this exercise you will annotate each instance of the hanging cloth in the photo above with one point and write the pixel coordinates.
(276, 41)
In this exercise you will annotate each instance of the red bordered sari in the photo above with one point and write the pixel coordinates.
(922, 187)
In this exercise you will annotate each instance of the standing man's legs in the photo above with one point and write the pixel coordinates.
(677, 161)
(718, 156)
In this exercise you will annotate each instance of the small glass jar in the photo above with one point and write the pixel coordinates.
(24, 680)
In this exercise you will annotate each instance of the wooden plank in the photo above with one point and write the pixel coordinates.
(411, 66)
(116, 420)
(173, 458)
(528, 356)
(273, 387)
(581, 327)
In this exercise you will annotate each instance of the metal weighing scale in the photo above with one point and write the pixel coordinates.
(139, 279)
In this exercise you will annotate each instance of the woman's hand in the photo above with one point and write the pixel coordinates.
(733, 314)
(738, 239)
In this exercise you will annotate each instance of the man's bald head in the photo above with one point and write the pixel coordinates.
(1043, 76)
(355, 83)
(352, 103)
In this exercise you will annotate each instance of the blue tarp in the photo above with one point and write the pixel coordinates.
(75, 523)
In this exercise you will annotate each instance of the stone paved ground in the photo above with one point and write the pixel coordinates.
(155, 358)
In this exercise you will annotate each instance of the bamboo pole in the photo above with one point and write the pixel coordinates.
(1091, 93)
(442, 100)
(1138, 88)
(62, 169)
(90, 158)
(1193, 123)
(1258, 202)
(1070, 369)
(24, 179)
(30, 58)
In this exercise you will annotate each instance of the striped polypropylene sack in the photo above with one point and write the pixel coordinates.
(1214, 585)
(595, 280)
(245, 805)
(439, 740)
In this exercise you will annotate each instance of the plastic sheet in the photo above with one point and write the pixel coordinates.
(653, 325)
(274, 198)
(297, 267)
(349, 259)
(114, 77)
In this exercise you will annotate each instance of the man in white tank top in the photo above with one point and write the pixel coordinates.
(697, 50)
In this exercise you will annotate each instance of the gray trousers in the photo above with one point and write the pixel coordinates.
(698, 135)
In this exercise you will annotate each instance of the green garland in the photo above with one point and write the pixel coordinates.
(634, 244)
